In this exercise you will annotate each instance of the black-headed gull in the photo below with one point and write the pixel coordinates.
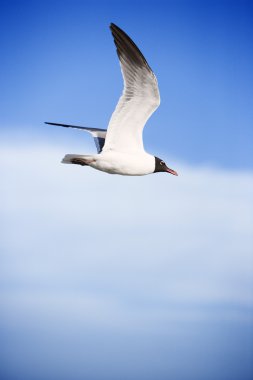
(120, 147)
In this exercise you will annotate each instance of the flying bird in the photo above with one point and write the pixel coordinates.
(120, 148)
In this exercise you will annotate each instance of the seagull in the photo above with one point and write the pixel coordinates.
(120, 148)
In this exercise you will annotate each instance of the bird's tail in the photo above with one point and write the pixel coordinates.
(78, 159)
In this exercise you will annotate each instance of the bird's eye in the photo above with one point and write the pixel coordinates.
(162, 163)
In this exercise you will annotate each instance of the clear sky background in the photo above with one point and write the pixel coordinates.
(109, 277)
(58, 63)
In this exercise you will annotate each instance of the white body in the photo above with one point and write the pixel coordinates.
(123, 163)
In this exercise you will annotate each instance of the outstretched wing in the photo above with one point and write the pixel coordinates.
(139, 100)
(97, 133)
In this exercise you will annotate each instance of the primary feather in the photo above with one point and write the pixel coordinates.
(139, 100)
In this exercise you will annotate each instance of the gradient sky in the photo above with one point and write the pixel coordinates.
(58, 63)
(109, 277)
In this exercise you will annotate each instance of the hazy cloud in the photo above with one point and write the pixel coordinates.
(145, 258)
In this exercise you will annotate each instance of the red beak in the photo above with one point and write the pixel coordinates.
(171, 171)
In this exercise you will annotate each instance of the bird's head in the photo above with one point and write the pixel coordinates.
(160, 166)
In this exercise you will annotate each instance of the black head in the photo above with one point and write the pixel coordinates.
(160, 166)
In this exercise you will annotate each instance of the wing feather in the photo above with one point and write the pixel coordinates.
(139, 100)
(97, 133)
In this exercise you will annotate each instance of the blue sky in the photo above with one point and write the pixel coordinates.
(107, 277)
(59, 63)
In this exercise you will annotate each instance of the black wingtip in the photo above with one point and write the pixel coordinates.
(57, 124)
(49, 123)
(125, 45)
(76, 127)
(116, 28)
(60, 125)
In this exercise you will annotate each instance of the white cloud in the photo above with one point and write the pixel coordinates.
(186, 238)
(150, 257)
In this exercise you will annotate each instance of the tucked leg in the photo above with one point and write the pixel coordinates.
(78, 161)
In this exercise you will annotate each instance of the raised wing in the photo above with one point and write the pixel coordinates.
(97, 133)
(139, 100)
